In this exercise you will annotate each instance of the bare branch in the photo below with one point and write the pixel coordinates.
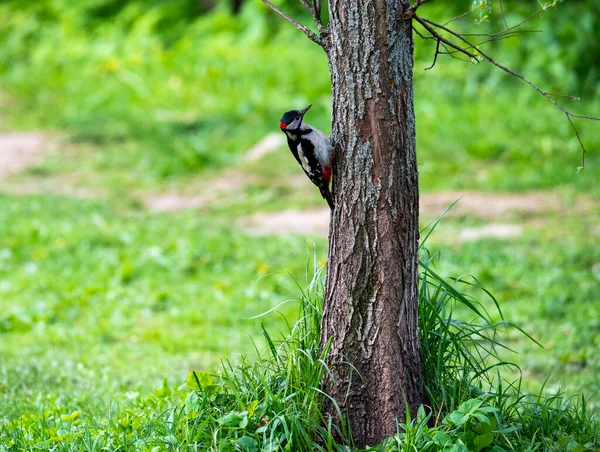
(307, 5)
(311, 35)
(452, 54)
(436, 35)
(410, 12)
(507, 70)
(421, 35)
(466, 46)
(314, 8)
(501, 32)
(494, 39)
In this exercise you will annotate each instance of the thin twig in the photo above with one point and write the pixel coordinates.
(578, 139)
(504, 68)
(311, 35)
(499, 34)
(501, 38)
(527, 19)
(460, 16)
(437, 52)
(421, 35)
(307, 5)
(417, 4)
(317, 11)
(503, 15)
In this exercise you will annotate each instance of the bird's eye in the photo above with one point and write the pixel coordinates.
(297, 117)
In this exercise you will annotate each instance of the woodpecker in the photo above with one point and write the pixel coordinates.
(311, 148)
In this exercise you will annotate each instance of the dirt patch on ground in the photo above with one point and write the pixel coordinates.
(487, 205)
(315, 222)
(20, 150)
(494, 230)
(218, 188)
(482, 205)
(171, 202)
(65, 185)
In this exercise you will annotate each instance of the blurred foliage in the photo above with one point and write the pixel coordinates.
(142, 74)
(173, 87)
(556, 49)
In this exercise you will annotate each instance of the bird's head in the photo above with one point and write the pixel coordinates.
(292, 120)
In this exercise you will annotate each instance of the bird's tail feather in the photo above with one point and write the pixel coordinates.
(328, 197)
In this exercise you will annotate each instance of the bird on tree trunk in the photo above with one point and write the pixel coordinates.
(311, 148)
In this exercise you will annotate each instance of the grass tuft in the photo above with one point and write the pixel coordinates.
(274, 402)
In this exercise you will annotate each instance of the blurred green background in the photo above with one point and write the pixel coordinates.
(133, 243)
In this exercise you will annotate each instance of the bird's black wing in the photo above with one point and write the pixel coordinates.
(293, 145)
(314, 171)
(310, 163)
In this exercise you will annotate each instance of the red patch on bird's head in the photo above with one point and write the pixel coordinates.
(282, 125)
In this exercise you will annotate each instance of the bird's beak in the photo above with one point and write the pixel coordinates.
(304, 110)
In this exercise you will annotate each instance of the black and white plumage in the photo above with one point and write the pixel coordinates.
(311, 148)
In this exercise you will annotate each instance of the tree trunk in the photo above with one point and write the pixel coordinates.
(370, 307)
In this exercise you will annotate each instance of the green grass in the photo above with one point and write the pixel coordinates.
(94, 300)
(101, 300)
(273, 402)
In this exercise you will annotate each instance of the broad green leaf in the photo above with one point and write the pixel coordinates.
(488, 409)
(247, 443)
(225, 446)
(574, 446)
(198, 381)
(454, 418)
(470, 406)
(235, 418)
(497, 448)
(192, 402)
(484, 427)
(244, 422)
(483, 418)
(442, 438)
(483, 441)
(421, 415)
(251, 407)
(459, 447)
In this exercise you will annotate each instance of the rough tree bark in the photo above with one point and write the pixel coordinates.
(371, 297)
(370, 307)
